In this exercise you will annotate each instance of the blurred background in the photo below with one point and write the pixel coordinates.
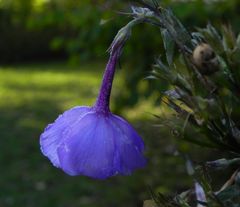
(52, 56)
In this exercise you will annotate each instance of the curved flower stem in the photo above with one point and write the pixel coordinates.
(102, 103)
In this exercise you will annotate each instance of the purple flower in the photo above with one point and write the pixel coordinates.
(92, 141)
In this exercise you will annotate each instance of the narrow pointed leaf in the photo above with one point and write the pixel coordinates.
(169, 45)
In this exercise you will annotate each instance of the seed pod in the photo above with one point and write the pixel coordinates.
(205, 59)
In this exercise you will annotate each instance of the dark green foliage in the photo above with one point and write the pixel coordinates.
(204, 80)
(18, 42)
(192, 14)
(206, 101)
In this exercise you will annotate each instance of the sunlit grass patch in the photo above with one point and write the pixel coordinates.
(65, 85)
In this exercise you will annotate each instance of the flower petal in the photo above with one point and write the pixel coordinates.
(89, 149)
(54, 133)
(129, 146)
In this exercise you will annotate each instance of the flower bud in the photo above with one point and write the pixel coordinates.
(222, 163)
(205, 59)
(218, 164)
(140, 12)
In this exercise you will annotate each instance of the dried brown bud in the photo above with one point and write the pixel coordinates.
(205, 59)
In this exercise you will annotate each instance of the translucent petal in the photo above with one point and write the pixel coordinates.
(54, 133)
(85, 142)
(129, 146)
(129, 132)
(89, 150)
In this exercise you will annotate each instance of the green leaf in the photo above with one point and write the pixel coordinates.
(238, 41)
(230, 196)
(176, 29)
(228, 38)
(169, 45)
(213, 38)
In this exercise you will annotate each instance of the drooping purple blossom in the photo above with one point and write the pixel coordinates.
(92, 141)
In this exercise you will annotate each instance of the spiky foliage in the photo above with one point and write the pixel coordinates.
(203, 70)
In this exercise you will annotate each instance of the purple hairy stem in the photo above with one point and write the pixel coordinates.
(102, 103)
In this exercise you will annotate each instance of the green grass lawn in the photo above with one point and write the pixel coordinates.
(32, 96)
